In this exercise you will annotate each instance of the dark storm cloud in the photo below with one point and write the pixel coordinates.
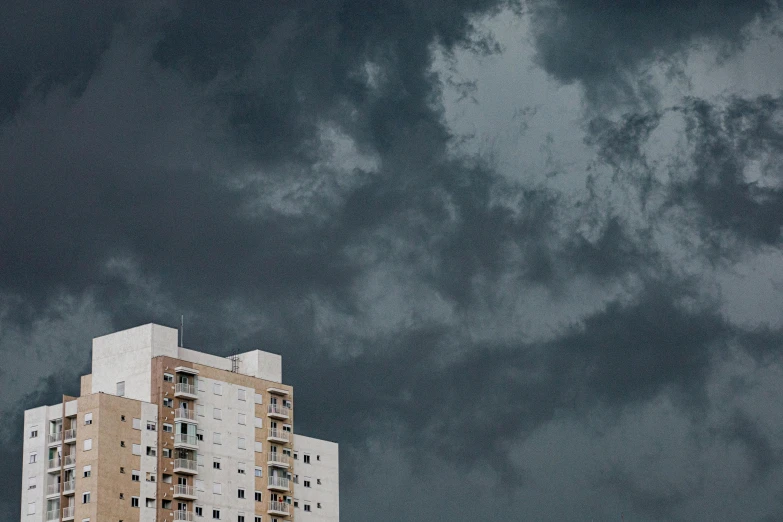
(607, 45)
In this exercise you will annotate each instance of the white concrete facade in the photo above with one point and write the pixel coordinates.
(317, 497)
(226, 424)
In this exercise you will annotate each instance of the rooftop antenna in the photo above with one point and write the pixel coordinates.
(182, 331)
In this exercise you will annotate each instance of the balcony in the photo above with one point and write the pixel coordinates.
(278, 459)
(278, 412)
(184, 492)
(277, 483)
(185, 391)
(53, 515)
(182, 440)
(69, 460)
(54, 438)
(183, 515)
(280, 436)
(70, 435)
(68, 513)
(278, 508)
(182, 414)
(53, 489)
(277, 391)
(69, 487)
(54, 465)
(185, 466)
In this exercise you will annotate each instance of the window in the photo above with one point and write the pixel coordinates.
(200, 435)
(216, 438)
(307, 483)
(151, 452)
(216, 464)
(259, 422)
(217, 414)
(136, 424)
(318, 505)
(168, 402)
(317, 457)
(307, 459)
(86, 471)
(259, 447)
(166, 452)
(296, 456)
(121, 388)
(31, 508)
(241, 468)
(240, 493)
(135, 475)
(122, 418)
(287, 427)
(167, 377)
(199, 485)
(134, 501)
(259, 399)
(122, 470)
(199, 511)
(33, 432)
(32, 482)
(151, 426)
(241, 443)
(296, 479)
(296, 503)
(258, 519)
(87, 419)
(86, 498)
(202, 385)
(168, 428)
(149, 502)
(150, 477)
(241, 395)
(166, 504)
(87, 444)
(122, 443)
(240, 518)
(241, 419)
(136, 450)
(167, 478)
(218, 389)
(259, 496)
(216, 514)
(217, 488)
(318, 481)
(287, 404)
(259, 472)
(200, 410)
(307, 507)
(33, 457)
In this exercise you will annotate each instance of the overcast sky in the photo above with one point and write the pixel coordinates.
(523, 261)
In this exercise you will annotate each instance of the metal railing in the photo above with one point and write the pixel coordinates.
(186, 463)
(276, 409)
(182, 413)
(183, 515)
(68, 512)
(70, 434)
(69, 460)
(278, 482)
(57, 436)
(278, 506)
(181, 489)
(53, 489)
(275, 433)
(279, 458)
(53, 515)
(182, 387)
(54, 463)
(69, 485)
(184, 438)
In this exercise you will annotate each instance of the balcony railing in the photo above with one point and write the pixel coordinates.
(278, 483)
(69, 460)
(70, 434)
(53, 515)
(279, 435)
(57, 436)
(186, 491)
(68, 512)
(279, 458)
(185, 389)
(186, 464)
(183, 414)
(69, 486)
(183, 515)
(54, 463)
(278, 508)
(275, 410)
(53, 489)
(184, 438)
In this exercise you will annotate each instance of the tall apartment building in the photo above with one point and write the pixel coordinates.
(162, 433)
